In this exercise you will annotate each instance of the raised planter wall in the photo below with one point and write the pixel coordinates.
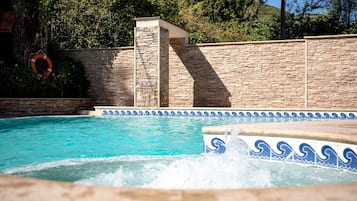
(110, 73)
(43, 106)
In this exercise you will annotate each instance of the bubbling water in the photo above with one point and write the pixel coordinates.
(232, 169)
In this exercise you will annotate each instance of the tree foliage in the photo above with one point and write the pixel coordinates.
(227, 10)
(321, 17)
(67, 80)
(96, 23)
(109, 23)
(103, 23)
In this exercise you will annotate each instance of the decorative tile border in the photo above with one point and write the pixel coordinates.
(230, 113)
(319, 153)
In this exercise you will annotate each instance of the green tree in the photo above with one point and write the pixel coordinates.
(223, 20)
(226, 10)
(96, 23)
(320, 17)
(343, 11)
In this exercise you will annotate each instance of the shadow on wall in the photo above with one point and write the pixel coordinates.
(110, 73)
(209, 90)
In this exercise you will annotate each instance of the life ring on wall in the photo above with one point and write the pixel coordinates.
(41, 55)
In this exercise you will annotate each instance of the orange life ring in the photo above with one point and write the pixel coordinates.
(41, 55)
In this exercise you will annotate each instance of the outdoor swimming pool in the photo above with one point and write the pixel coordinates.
(143, 151)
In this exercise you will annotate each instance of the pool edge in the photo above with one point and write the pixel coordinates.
(17, 188)
(344, 131)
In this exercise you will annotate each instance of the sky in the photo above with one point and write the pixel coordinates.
(275, 3)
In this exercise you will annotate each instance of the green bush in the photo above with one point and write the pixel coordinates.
(66, 80)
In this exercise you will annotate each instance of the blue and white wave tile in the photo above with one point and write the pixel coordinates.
(314, 152)
(230, 113)
(214, 144)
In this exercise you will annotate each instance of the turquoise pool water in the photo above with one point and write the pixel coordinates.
(43, 139)
(156, 152)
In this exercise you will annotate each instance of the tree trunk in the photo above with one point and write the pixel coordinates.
(26, 30)
(282, 20)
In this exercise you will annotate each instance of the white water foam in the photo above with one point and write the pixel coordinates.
(207, 171)
(200, 172)
(117, 178)
(210, 172)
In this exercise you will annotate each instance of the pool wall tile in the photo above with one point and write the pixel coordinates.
(231, 113)
(314, 152)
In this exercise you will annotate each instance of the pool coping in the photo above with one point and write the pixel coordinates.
(17, 188)
(344, 131)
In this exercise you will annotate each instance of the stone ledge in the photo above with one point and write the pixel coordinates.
(331, 36)
(12, 107)
(247, 43)
(344, 131)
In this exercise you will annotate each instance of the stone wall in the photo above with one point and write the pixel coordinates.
(314, 73)
(241, 75)
(311, 73)
(332, 72)
(110, 73)
(43, 106)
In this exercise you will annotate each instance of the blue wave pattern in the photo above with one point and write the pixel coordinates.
(329, 156)
(218, 144)
(232, 114)
(263, 150)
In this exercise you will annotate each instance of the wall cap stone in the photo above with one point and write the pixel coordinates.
(248, 42)
(174, 31)
(331, 36)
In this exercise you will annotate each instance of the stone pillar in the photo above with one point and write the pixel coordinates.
(146, 61)
(151, 60)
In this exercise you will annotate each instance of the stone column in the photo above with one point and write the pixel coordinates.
(151, 60)
(147, 65)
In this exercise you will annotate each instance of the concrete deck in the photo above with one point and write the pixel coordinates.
(328, 130)
(15, 188)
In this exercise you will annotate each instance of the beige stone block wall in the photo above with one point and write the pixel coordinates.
(181, 82)
(146, 66)
(314, 73)
(240, 75)
(332, 72)
(110, 73)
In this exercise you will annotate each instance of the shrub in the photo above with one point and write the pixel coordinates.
(67, 80)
